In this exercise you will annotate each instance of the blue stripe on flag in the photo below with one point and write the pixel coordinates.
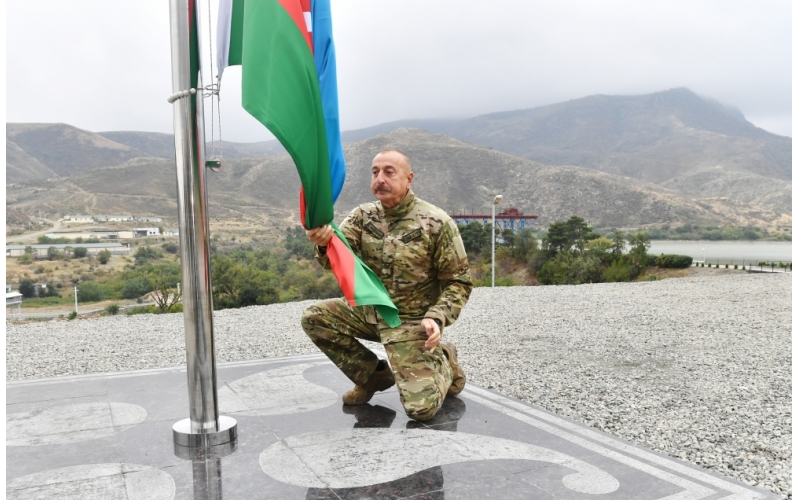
(325, 60)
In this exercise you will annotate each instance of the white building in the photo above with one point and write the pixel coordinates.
(78, 218)
(13, 299)
(93, 248)
(113, 218)
(148, 219)
(142, 232)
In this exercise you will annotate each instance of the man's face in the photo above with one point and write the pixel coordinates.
(391, 178)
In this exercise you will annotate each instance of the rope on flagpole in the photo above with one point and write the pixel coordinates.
(180, 95)
(215, 162)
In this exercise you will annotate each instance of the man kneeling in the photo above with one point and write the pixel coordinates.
(416, 251)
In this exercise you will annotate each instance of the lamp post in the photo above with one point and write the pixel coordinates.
(497, 199)
(704, 255)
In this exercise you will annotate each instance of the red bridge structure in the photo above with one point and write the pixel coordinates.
(510, 218)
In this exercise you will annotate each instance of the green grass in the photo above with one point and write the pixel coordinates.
(47, 301)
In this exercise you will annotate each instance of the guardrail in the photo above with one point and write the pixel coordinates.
(746, 265)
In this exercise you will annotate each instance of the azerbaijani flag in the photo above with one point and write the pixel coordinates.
(288, 63)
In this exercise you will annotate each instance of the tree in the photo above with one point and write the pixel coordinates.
(526, 244)
(509, 237)
(145, 254)
(53, 253)
(296, 243)
(136, 287)
(569, 235)
(27, 287)
(104, 256)
(170, 247)
(618, 244)
(227, 277)
(80, 252)
(476, 237)
(166, 294)
(570, 269)
(601, 249)
(25, 258)
(640, 244)
(89, 291)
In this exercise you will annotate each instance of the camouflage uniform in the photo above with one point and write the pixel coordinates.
(416, 251)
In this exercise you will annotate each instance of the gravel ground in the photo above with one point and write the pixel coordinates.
(699, 368)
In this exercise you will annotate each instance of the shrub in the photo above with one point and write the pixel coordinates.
(90, 291)
(72, 315)
(25, 258)
(53, 253)
(717, 265)
(104, 256)
(170, 248)
(617, 272)
(112, 309)
(736, 266)
(80, 252)
(672, 261)
(726, 266)
(136, 287)
(140, 310)
(27, 287)
(567, 269)
(696, 264)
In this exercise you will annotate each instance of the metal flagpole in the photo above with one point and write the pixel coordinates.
(204, 427)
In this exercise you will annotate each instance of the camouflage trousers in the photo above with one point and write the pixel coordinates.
(422, 378)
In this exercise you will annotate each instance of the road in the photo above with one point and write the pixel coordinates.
(85, 311)
(32, 236)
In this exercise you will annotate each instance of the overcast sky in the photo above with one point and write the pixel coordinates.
(105, 65)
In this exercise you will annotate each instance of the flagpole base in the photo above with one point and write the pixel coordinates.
(182, 433)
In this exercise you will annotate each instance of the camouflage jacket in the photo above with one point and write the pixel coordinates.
(416, 251)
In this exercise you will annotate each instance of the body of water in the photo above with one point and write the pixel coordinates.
(750, 251)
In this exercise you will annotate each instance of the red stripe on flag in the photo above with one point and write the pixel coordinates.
(303, 208)
(295, 10)
(343, 265)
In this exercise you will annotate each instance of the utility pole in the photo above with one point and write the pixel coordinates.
(497, 199)
(76, 300)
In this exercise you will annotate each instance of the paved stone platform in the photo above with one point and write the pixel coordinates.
(109, 436)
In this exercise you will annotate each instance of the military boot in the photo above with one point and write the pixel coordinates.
(459, 378)
(380, 380)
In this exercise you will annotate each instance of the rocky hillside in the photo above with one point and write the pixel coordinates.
(455, 175)
(676, 138)
(669, 157)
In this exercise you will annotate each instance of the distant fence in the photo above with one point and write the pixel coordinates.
(763, 266)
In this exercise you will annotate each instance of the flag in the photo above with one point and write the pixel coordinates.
(289, 85)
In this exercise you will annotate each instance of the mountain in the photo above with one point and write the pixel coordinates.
(22, 167)
(625, 161)
(62, 149)
(458, 176)
(675, 138)
(163, 145)
(654, 137)
(462, 177)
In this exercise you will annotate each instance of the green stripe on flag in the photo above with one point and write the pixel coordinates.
(280, 89)
(237, 21)
(369, 290)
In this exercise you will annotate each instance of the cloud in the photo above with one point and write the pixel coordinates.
(106, 65)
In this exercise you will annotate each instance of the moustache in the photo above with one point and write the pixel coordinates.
(383, 188)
